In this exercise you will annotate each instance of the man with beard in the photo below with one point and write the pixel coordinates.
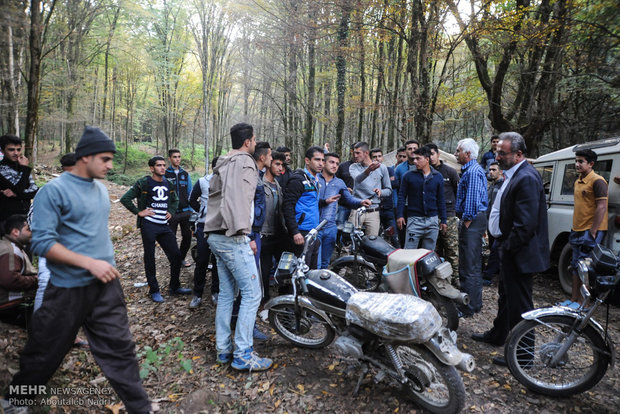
(518, 222)
(17, 187)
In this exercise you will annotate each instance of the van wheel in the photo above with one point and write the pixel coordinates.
(565, 275)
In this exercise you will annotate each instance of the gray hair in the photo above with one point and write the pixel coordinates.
(469, 145)
(517, 143)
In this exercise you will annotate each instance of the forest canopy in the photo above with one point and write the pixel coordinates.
(180, 73)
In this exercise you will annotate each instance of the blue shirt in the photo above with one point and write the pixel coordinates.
(425, 195)
(72, 211)
(471, 194)
(332, 188)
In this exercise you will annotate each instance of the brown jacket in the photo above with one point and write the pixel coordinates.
(231, 194)
(14, 281)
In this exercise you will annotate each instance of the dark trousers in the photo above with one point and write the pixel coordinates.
(515, 295)
(493, 263)
(203, 257)
(470, 262)
(388, 220)
(402, 233)
(312, 255)
(19, 315)
(182, 219)
(160, 233)
(100, 310)
(272, 248)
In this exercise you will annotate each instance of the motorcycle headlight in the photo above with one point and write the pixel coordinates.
(583, 272)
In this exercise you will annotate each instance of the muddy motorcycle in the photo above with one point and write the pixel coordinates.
(560, 351)
(399, 336)
(430, 276)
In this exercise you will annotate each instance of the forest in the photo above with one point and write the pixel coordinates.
(175, 73)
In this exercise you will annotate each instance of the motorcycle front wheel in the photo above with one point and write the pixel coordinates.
(446, 307)
(313, 331)
(361, 276)
(432, 385)
(532, 344)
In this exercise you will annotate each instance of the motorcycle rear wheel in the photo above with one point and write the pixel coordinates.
(446, 308)
(361, 276)
(434, 386)
(314, 331)
(582, 367)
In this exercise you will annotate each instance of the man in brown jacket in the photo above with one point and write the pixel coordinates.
(18, 279)
(230, 212)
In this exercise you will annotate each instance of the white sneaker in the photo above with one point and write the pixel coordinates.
(264, 315)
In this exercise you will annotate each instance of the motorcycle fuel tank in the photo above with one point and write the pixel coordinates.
(327, 287)
(377, 249)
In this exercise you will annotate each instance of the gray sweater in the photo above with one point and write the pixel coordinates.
(365, 184)
(74, 212)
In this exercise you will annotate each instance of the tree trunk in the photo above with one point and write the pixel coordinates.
(341, 67)
(34, 77)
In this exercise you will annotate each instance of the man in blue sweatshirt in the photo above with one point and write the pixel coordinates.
(70, 229)
(426, 207)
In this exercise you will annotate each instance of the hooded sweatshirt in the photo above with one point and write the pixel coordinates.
(230, 208)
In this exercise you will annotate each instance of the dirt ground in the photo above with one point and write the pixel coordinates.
(183, 376)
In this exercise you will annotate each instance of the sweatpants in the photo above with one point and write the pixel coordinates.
(100, 310)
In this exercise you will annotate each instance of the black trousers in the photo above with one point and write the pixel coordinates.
(182, 219)
(272, 248)
(100, 310)
(202, 263)
(515, 295)
(151, 233)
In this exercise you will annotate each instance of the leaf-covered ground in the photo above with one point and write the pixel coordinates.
(176, 349)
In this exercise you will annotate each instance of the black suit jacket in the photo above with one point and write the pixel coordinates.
(523, 221)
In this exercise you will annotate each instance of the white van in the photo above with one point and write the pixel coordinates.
(557, 170)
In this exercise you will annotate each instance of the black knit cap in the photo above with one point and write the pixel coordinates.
(93, 141)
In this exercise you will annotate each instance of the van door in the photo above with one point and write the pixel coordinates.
(546, 173)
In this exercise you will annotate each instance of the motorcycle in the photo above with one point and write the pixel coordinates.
(430, 275)
(559, 351)
(400, 336)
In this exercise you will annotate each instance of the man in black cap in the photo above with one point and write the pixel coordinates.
(70, 229)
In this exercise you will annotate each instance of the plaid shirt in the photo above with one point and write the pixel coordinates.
(471, 194)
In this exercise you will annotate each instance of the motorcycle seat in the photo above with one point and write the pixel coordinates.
(394, 316)
(405, 257)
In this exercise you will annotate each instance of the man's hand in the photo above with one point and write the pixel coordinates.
(298, 239)
(168, 215)
(467, 223)
(366, 203)
(253, 246)
(22, 160)
(377, 191)
(373, 166)
(9, 193)
(102, 270)
(350, 190)
(400, 223)
(333, 198)
(146, 212)
(443, 228)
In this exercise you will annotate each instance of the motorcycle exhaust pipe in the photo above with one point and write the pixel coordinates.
(467, 363)
(462, 299)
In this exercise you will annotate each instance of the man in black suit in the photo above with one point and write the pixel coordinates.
(518, 222)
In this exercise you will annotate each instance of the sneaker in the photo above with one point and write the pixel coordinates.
(196, 301)
(7, 408)
(214, 298)
(251, 362)
(264, 315)
(224, 358)
(157, 297)
(180, 291)
(258, 335)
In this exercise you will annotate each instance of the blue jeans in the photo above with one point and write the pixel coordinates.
(327, 236)
(470, 262)
(422, 232)
(583, 243)
(236, 269)
(343, 214)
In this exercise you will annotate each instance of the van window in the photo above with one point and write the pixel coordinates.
(546, 173)
(602, 168)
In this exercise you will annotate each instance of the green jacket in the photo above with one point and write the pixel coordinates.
(139, 191)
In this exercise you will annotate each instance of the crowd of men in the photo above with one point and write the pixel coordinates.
(250, 209)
